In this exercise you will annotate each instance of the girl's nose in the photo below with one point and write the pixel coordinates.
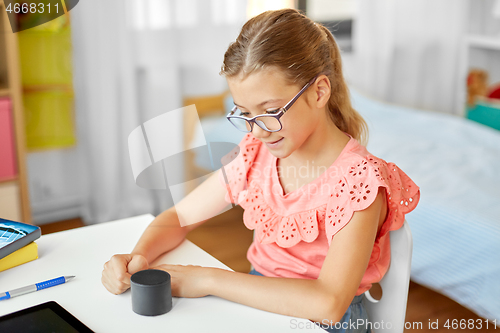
(259, 132)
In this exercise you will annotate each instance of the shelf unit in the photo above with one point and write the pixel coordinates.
(14, 195)
(477, 51)
(485, 42)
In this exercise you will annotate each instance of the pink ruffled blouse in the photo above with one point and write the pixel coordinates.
(294, 230)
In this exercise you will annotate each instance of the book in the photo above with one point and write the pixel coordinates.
(19, 257)
(15, 235)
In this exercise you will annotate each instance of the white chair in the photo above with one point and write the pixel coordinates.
(391, 308)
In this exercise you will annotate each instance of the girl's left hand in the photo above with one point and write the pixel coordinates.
(187, 281)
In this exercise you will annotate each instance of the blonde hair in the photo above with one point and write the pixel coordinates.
(301, 49)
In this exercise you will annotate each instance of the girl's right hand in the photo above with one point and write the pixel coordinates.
(118, 270)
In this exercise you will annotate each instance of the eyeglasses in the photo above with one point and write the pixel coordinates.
(268, 122)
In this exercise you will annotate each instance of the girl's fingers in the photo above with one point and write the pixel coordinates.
(109, 283)
(117, 271)
(138, 263)
(116, 275)
(119, 267)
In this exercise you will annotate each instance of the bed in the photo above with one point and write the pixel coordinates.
(456, 163)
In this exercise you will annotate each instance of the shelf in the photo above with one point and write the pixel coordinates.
(9, 180)
(486, 42)
(48, 87)
(4, 92)
(10, 86)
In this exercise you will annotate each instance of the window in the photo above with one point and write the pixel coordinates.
(255, 7)
(162, 14)
(337, 15)
(227, 12)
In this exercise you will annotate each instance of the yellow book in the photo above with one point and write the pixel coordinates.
(21, 256)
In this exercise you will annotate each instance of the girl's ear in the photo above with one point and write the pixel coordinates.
(322, 90)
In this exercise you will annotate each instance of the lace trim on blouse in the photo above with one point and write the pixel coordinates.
(354, 190)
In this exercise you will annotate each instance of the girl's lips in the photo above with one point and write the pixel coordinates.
(274, 144)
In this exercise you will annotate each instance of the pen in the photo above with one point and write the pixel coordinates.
(35, 287)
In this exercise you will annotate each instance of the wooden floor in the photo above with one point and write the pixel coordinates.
(227, 239)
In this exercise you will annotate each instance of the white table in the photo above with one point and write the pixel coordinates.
(82, 252)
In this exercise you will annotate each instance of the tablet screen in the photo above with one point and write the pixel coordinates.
(46, 317)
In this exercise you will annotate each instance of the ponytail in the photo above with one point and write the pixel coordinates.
(344, 116)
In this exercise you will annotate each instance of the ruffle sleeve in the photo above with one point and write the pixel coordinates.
(236, 165)
(357, 189)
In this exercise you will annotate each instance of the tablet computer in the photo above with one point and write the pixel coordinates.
(42, 318)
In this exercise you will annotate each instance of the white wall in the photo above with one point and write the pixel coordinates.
(55, 184)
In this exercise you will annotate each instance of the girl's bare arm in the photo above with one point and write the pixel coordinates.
(166, 231)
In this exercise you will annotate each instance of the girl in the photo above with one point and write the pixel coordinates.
(321, 235)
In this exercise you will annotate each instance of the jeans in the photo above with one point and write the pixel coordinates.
(348, 323)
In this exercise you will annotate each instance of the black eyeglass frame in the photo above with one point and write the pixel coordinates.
(277, 116)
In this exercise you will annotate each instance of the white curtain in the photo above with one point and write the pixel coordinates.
(134, 60)
(407, 51)
(106, 110)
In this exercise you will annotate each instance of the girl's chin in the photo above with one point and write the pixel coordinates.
(280, 153)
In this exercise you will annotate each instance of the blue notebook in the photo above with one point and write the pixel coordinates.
(15, 235)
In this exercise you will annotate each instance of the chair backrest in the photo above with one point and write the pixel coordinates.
(391, 308)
